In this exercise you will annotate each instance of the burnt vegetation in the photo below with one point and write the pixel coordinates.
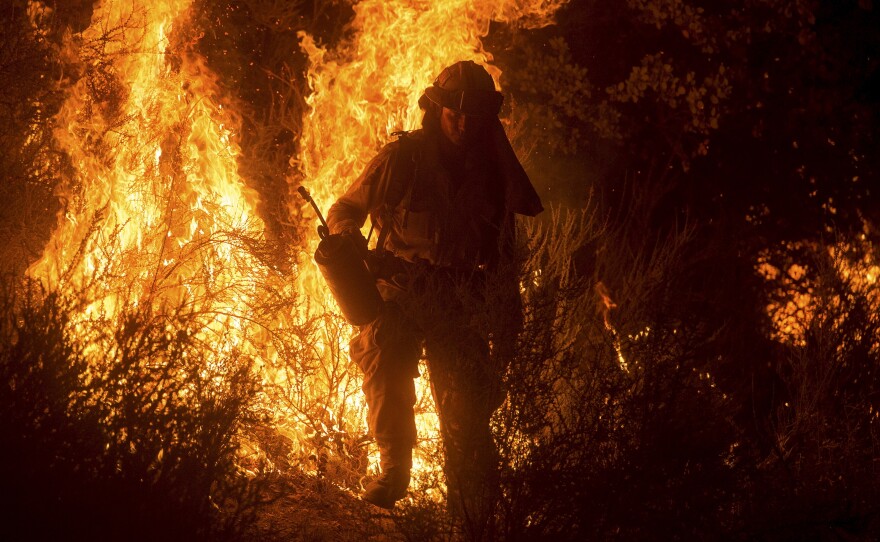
(699, 352)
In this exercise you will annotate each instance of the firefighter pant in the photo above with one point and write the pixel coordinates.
(465, 385)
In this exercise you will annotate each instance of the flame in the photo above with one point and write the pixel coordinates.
(369, 88)
(133, 198)
(157, 215)
(608, 305)
(797, 285)
(157, 212)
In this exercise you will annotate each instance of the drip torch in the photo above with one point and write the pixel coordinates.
(342, 262)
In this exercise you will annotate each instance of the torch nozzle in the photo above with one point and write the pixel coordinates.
(323, 229)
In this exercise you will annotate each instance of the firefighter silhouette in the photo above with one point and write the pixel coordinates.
(443, 200)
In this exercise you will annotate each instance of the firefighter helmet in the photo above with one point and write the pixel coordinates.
(466, 87)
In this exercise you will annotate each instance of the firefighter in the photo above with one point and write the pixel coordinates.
(443, 200)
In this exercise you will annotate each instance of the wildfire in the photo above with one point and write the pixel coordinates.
(158, 215)
(369, 88)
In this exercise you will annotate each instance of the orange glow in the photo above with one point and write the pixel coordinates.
(607, 305)
(367, 90)
(158, 215)
(802, 295)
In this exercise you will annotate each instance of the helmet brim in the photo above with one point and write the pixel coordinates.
(469, 102)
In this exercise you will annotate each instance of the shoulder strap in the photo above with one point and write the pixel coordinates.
(402, 193)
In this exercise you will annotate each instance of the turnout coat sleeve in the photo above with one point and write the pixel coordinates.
(367, 194)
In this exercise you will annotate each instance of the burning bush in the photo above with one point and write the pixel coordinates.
(31, 95)
(650, 393)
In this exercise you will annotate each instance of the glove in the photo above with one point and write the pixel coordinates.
(356, 237)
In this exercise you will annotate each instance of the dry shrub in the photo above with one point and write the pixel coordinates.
(119, 428)
(31, 92)
(617, 425)
(819, 480)
(611, 427)
(310, 394)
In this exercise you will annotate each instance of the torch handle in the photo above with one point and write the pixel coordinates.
(323, 229)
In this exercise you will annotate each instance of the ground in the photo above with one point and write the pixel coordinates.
(305, 508)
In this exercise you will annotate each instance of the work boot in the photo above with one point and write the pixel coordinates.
(395, 460)
(389, 488)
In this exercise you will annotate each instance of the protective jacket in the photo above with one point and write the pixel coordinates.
(452, 221)
(431, 215)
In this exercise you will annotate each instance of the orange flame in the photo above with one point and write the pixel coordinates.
(799, 302)
(607, 305)
(157, 213)
(156, 206)
(368, 89)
